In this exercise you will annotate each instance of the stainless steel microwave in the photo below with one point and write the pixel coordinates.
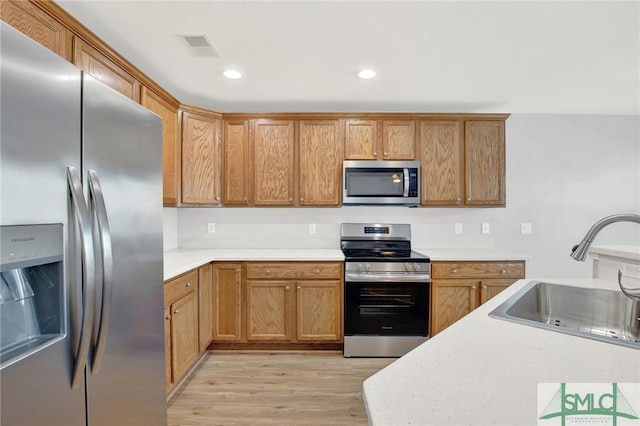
(381, 183)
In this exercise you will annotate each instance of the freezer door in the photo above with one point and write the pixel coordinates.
(122, 145)
(40, 133)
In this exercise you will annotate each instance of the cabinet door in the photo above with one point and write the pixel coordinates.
(320, 163)
(30, 20)
(167, 345)
(268, 310)
(274, 150)
(361, 140)
(484, 167)
(319, 310)
(398, 140)
(490, 288)
(205, 306)
(201, 159)
(104, 69)
(236, 163)
(184, 334)
(227, 300)
(451, 300)
(441, 154)
(170, 144)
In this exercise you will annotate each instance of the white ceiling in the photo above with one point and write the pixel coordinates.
(572, 57)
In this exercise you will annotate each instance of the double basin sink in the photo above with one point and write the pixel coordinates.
(603, 315)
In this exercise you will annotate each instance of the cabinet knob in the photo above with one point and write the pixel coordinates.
(188, 284)
(317, 271)
(217, 198)
(268, 271)
(291, 199)
(245, 199)
(458, 199)
(299, 288)
(168, 317)
(301, 199)
(287, 287)
(454, 271)
(375, 154)
(473, 287)
(238, 270)
(484, 287)
(504, 271)
(385, 154)
(468, 199)
(176, 312)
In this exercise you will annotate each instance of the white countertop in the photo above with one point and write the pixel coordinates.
(179, 261)
(624, 252)
(482, 370)
(464, 254)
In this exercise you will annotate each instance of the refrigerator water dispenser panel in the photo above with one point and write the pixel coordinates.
(31, 290)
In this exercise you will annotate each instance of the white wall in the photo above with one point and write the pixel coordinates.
(563, 174)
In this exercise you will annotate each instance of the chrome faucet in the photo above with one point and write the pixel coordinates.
(579, 252)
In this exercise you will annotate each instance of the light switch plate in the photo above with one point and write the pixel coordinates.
(312, 228)
(486, 228)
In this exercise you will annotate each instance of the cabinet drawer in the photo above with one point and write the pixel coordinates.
(477, 270)
(179, 287)
(293, 270)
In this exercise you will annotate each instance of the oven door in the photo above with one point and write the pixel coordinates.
(386, 308)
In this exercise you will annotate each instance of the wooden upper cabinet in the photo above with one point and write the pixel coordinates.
(201, 158)
(361, 140)
(380, 139)
(441, 159)
(274, 162)
(105, 70)
(170, 144)
(398, 140)
(236, 189)
(37, 25)
(320, 166)
(485, 162)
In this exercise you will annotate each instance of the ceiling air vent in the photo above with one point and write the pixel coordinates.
(200, 45)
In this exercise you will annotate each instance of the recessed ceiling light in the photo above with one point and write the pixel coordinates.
(367, 74)
(233, 74)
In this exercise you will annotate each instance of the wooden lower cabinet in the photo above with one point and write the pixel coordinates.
(277, 303)
(460, 287)
(181, 324)
(205, 306)
(227, 302)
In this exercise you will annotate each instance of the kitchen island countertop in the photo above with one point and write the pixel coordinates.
(482, 370)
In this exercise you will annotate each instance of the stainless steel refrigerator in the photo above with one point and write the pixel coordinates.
(81, 282)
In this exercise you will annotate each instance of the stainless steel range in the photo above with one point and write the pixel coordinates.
(387, 286)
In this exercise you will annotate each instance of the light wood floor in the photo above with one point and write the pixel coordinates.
(274, 389)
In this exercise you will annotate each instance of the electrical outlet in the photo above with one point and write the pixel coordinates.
(211, 228)
(485, 227)
(312, 228)
(458, 228)
(526, 228)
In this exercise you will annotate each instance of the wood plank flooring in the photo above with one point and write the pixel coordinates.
(274, 389)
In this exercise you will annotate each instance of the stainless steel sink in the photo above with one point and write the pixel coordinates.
(604, 315)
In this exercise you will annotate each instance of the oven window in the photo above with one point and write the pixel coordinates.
(400, 309)
(374, 182)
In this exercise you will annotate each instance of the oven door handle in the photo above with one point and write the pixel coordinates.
(388, 277)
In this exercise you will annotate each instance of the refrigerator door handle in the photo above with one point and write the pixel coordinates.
(97, 200)
(82, 217)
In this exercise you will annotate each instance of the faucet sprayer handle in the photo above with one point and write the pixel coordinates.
(632, 293)
(574, 248)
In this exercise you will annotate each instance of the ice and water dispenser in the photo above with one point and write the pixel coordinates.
(31, 289)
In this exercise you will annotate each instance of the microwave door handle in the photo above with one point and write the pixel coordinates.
(405, 194)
